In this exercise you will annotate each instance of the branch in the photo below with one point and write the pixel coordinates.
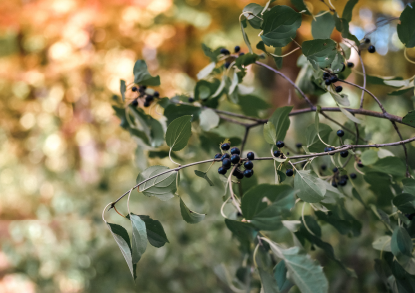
(286, 78)
(340, 149)
(408, 175)
(244, 139)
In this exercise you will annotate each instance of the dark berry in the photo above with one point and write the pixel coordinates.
(134, 88)
(326, 149)
(350, 64)
(333, 183)
(238, 214)
(238, 174)
(344, 154)
(343, 68)
(340, 133)
(235, 159)
(250, 156)
(226, 163)
(156, 94)
(344, 177)
(224, 51)
(225, 146)
(367, 40)
(248, 165)
(237, 49)
(371, 49)
(326, 75)
(225, 156)
(235, 151)
(329, 149)
(143, 87)
(141, 90)
(334, 78)
(353, 175)
(222, 170)
(289, 172)
(303, 164)
(288, 153)
(312, 248)
(248, 173)
(149, 98)
(146, 104)
(134, 103)
(299, 145)
(218, 156)
(227, 64)
(241, 54)
(323, 167)
(280, 144)
(335, 169)
(327, 81)
(342, 182)
(338, 89)
(410, 216)
(277, 153)
(191, 100)
(360, 165)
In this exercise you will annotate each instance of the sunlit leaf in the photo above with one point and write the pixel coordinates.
(162, 187)
(179, 132)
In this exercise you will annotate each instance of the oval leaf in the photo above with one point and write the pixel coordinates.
(179, 132)
(190, 216)
(139, 243)
(311, 188)
(163, 186)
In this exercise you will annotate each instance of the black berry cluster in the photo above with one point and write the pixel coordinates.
(329, 149)
(331, 78)
(142, 94)
(341, 180)
(234, 158)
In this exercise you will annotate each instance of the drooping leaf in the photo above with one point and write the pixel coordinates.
(212, 54)
(269, 284)
(246, 59)
(178, 132)
(323, 26)
(162, 187)
(142, 76)
(204, 176)
(255, 19)
(190, 216)
(270, 134)
(173, 112)
(311, 188)
(155, 232)
(139, 243)
(401, 243)
(342, 25)
(123, 241)
(409, 185)
(320, 53)
(300, 5)
(244, 232)
(405, 202)
(122, 89)
(280, 26)
(206, 71)
(252, 105)
(348, 10)
(369, 157)
(406, 27)
(208, 119)
(280, 274)
(409, 118)
(280, 119)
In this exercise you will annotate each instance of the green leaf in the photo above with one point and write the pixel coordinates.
(383, 243)
(401, 243)
(270, 134)
(369, 157)
(390, 165)
(269, 219)
(312, 188)
(280, 119)
(323, 26)
(175, 111)
(409, 118)
(300, 5)
(280, 274)
(208, 119)
(269, 284)
(179, 132)
(244, 232)
(348, 10)
(246, 59)
(256, 10)
(246, 39)
(349, 115)
(204, 176)
(280, 26)
(213, 55)
(306, 274)
(251, 105)
(406, 27)
(313, 142)
(123, 88)
(320, 53)
(139, 243)
(155, 232)
(123, 241)
(338, 63)
(405, 202)
(342, 25)
(162, 187)
(409, 185)
(189, 216)
(142, 76)
(206, 70)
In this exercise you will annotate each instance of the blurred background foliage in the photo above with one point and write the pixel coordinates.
(63, 156)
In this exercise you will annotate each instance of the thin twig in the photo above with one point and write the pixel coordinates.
(344, 127)
(244, 139)
(408, 175)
